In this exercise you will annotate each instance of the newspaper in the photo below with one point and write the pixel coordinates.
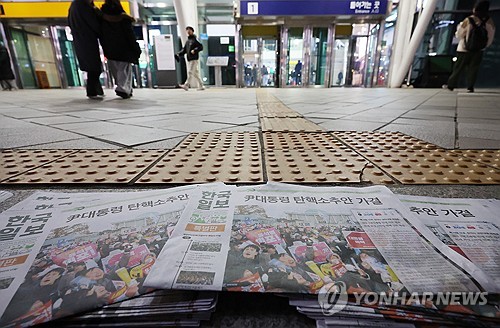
(4, 195)
(285, 238)
(470, 227)
(64, 253)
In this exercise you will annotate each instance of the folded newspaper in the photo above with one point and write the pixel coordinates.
(284, 238)
(65, 253)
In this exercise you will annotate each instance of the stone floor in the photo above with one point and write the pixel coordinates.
(160, 119)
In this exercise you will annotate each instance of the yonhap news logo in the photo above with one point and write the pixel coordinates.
(333, 298)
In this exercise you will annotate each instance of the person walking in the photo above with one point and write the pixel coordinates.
(265, 76)
(475, 33)
(7, 78)
(120, 47)
(298, 73)
(86, 28)
(192, 48)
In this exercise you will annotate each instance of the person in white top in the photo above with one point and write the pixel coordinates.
(476, 33)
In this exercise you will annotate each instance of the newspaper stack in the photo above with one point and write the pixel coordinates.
(354, 314)
(341, 241)
(67, 253)
(165, 308)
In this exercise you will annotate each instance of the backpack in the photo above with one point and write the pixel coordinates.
(477, 39)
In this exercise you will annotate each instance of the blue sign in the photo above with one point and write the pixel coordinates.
(312, 7)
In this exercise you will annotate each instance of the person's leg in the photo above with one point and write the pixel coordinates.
(458, 68)
(113, 70)
(123, 78)
(129, 71)
(94, 87)
(13, 84)
(187, 84)
(473, 69)
(196, 74)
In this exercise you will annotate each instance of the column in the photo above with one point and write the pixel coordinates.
(402, 33)
(186, 12)
(409, 54)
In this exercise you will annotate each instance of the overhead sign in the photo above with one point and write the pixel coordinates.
(44, 9)
(313, 7)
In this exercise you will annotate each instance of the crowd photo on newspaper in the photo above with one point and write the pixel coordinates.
(63, 254)
(77, 269)
(298, 257)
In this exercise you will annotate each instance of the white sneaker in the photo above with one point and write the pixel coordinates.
(185, 87)
(201, 89)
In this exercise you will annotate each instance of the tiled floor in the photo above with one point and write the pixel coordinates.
(59, 119)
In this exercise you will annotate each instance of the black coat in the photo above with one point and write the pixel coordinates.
(191, 44)
(85, 27)
(118, 39)
(5, 68)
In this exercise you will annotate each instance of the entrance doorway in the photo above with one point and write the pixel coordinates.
(259, 55)
(354, 55)
(260, 62)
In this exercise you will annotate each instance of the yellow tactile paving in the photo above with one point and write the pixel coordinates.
(220, 139)
(15, 162)
(300, 140)
(276, 110)
(413, 161)
(289, 125)
(317, 166)
(489, 157)
(382, 140)
(91, 166)
(197, 165)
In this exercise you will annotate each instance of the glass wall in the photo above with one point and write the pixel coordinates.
(22, 55)
(295, 51)
(268, 70)
(69, 61)
(341, 61)
(42, 54)
(318, 56)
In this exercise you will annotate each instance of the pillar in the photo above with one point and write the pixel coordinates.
(186, 12)
(402, 34)
(416, 39)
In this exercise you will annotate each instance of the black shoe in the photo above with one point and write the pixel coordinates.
(470, 90)
(122, 94)
(97, 97)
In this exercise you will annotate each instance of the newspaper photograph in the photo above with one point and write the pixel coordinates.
(285, 238)
(196, 257)
(4, 195)
(469, 227)
(57, 259)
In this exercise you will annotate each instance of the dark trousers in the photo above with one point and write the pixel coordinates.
(469, 61)
(94, 87)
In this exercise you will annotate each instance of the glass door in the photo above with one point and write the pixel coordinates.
(23, 59)
(358, 60)
(251, 62)
(319, 46)
(294, 64)
(69, 60)
(269, 60)
(340, 62)
(260, 62)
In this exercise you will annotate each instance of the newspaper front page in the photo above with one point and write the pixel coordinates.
(4, 195)
(64, 253)
(469, 227)
(285, 238)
